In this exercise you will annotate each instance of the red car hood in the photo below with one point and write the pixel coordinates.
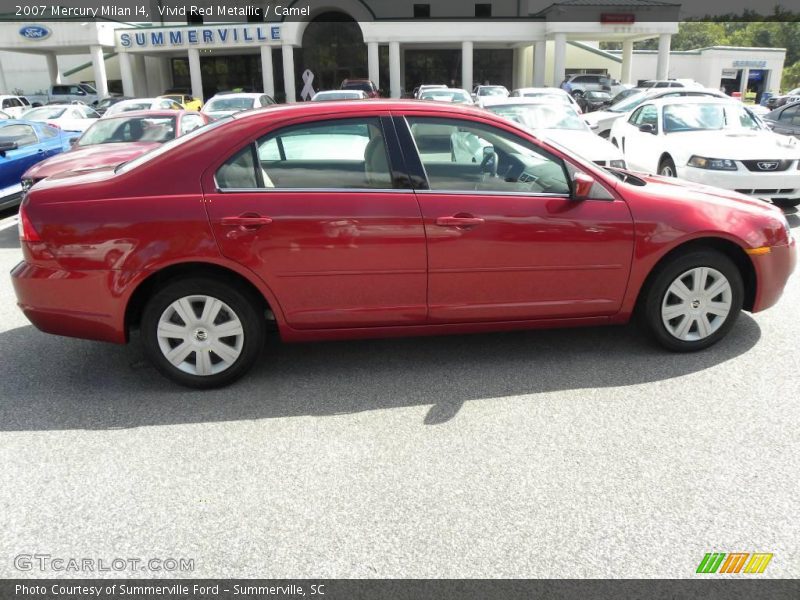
(89, 157)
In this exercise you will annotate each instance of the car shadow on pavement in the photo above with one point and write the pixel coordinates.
(55, 383)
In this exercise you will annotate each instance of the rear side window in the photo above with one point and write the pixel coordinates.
(60, 89)
(23, 135)
(342, 154)
(239, 171)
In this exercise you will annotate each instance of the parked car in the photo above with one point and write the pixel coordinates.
(711, 141)
(116, 139)
(141, 104)
(454, 95)
(223, 105)
(626, 93)
(4, 116)
(579, 84)
(365, 85)
(594, 100)
(74, 91)
(13, 106)
(22, 144)
(482, 91)
(339, 95)
(602, 120)
(190, 245)
(103, 105)
(781, 99)
(187, 101)
(547, 119)
(69, 117)
(785, 120)
(547, 93)
(668, 83)
(427, 86)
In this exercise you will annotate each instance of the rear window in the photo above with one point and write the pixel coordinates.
(358, 85)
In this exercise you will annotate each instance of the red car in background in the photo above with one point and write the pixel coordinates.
(117, 139)
(387, 218)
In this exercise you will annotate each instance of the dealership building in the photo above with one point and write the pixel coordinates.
(398, 44)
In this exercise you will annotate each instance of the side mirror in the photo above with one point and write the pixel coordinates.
(593, 126)
(73, 141)
(647, 128)
(581, 186)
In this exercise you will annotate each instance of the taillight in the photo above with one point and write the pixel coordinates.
(26, 231)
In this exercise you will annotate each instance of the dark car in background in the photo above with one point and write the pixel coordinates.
(787, 98)
(103, 105)
(785, 120)
(594, 100)
(365, 85)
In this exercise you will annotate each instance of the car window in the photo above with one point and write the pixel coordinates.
(60, 89)
(790, 116)
(646, 115)
(461, 155)
(23, 135)
(190, 123)
(342, 154)
(49, 132)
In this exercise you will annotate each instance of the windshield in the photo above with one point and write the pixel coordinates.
(563, 98)
(87, 88)
(169, 145)
(628, 103)
(707, 117)
(234, 104)
(541, 116)
(354, 95)
(129, 129)
(44, 113)
(496, 90)
(446, 96)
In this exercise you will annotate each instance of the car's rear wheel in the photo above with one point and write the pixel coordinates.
(667, 167)
(786, 202)
(693, 301)
(202, 333)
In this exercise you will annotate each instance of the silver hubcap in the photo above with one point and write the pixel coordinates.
(696, 304)
(200, 335)
(666, 171)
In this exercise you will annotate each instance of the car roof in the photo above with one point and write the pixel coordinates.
(327, 108)
(503, 100)
(692, 100)
(237, 95)
(543, 90)
(164, 112)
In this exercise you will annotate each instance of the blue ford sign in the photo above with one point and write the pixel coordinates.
(34, 32)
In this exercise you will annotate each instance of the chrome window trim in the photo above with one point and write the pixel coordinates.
(312, 190)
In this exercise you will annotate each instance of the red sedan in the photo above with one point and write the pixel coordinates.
(387, 218)
(116, 139)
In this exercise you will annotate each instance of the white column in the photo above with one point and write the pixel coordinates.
(373, 63)
(3, 85)
(288, 73)
(195, 74)
(662, 68)
(126, 73)
(539, 63)
(139, 76)
(394, 69)
(52, 68)
(560, 59)
(99, 65)
(466, 65)
(267, 71)
(627, 61)
(743, 83)
(165, 73)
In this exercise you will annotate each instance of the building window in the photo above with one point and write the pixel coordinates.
(483, 11)
(194, 19)
(422, 11)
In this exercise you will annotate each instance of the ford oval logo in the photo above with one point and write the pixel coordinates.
(34, 32)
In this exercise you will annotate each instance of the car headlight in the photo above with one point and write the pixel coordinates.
(714, 164)
(617, 164)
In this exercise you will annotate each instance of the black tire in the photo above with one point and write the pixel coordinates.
(605, 134)
(786, 202)
(243, 307)
(653, 296)
(667, 164)
(614, 141)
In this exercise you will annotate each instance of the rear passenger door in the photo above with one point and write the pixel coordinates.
(323, 212)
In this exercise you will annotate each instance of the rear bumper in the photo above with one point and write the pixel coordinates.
(772, 273)
(70, 303)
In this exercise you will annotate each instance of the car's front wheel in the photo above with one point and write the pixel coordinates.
(786, 202)
(667, 167)
(693, 301)
(202, 333)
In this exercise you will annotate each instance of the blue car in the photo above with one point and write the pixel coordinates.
(22, 144)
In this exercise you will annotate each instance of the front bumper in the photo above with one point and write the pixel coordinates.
(772, 273)
(71, 303)
(781, 184)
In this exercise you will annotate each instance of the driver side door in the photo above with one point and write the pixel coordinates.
(505, 239)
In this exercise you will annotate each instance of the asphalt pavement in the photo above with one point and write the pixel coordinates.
(565, 453)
